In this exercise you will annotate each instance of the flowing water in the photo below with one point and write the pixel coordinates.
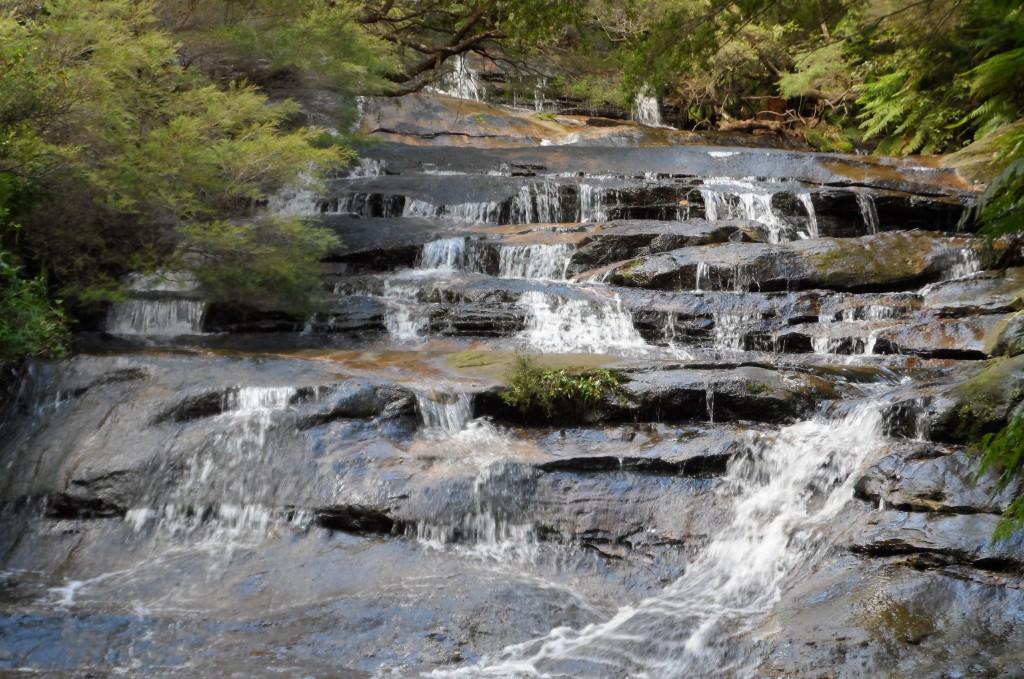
(156, 317)
(785, 490)
(359, 501)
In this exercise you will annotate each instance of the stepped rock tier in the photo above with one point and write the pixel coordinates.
(779, 484)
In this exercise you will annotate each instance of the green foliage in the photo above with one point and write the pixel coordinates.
(264, 262)
(1000, 210)
(1004, 452)
(109, 145)
(555, 394)
(30, 325)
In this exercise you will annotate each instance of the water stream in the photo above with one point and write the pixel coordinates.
(785, 489)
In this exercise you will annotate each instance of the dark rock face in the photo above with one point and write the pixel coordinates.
(885, 261)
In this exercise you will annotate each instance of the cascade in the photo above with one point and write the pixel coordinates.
(537, 203)
(868, 211)
(369, 167)
(736, 199)
(445, 412)
(534, 261)
(732, 327)
(487, 212)
(592, 204)
(225, 482)
(156, 317)
(703, 273)
(965, 264)
(460, 81)
(786, 487)
(561, 324)
(405, 318)
(494, 526)
(447, 254)
(812, 217)
(645, 108)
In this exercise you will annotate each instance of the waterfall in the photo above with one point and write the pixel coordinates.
(785, 488)
(559, 324)
(368, 167)
(460, 81)
(732, 327)
(703, 273)
(965, 264)
(405, 318)
(494, 525)
(645, 108)
(812, 217)
(487, 212)
(445, 413)
(538, 203)
(156, 317)
(447, 254)
(592, 204)
(868, 211)
(251, 400)
(534, 261)
(225, 482)
(734, 199)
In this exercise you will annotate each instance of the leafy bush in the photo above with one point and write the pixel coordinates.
(29, 324)
(555, 393)
(1004, 452)
(266, 262)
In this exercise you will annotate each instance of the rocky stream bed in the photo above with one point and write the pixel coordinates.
(780, 487)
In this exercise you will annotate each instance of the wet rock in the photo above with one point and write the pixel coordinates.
(1007, 338)
(961, 538)
(977, 403)
(620, 240)
(650, 448)
(675, 395)
(921, 477)
(884, 261)
(985, 293)
(745, 393)
(857, 617)
(232, 317)
(940, 338)
(358, 519)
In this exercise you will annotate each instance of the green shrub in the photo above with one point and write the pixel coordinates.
(1003, 451)
(29, 324)
(555, 393)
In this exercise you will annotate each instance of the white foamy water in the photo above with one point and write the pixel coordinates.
(784, 488)
(566, 325)
(459, 81)
(868, 212)
(965, 264)
(645, 108)
(404, 317)
(737, 199)
(447, 254)
(156, 317)
(534, 261)
(445, 413)
(592, 204)
(812, 216)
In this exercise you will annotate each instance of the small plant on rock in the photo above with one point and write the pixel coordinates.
(555, 394)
